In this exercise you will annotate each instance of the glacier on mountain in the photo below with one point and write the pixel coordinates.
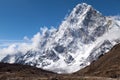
(80, 39)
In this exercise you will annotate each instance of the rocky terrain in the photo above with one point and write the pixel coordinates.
(107, 67)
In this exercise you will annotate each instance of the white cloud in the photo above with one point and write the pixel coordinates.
(36, 40)
(13, 46)
(26, 38)
(116, 17)
(8, 50)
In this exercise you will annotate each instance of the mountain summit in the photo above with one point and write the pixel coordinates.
(80, 39)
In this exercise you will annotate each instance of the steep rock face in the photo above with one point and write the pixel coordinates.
(81, 38)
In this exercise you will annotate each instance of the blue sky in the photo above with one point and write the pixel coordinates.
(19, 18)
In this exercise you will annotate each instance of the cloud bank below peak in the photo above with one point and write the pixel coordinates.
(11, 47)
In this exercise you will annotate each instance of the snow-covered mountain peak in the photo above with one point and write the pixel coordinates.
(85, 20)
(78, 12)
(80, 8)
(81, 15)
(80, 39)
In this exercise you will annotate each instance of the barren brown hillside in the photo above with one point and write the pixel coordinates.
(107, 67)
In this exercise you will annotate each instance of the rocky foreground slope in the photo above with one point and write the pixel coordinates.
(107, 67)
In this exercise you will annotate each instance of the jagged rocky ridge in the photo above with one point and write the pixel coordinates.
(81, 38)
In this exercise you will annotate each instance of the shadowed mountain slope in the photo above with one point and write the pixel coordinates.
(108, 65)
